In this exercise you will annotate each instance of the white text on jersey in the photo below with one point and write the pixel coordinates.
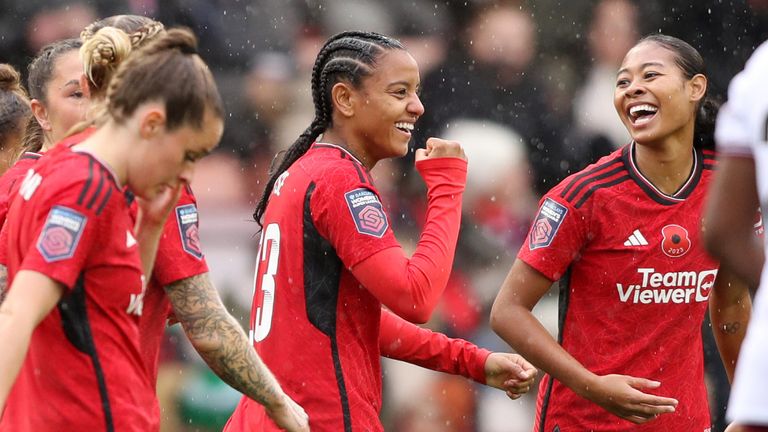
(671, 287)
(31, 181)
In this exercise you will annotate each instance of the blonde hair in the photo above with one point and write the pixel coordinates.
(108, 42)
(179, 78)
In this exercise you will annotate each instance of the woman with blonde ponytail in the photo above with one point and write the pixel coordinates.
(71, 357)
(180, 270)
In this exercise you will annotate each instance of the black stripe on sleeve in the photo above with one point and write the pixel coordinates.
(586, 173)
(562, 312)
(88, 182)
(104, 201)
(77, 328)
(99, 187)
(595, 187)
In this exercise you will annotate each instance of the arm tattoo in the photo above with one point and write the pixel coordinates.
(220, 340)
(731, 327)
(3, 282)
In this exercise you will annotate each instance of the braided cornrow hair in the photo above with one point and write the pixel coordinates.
(107, 42)
(347, 56)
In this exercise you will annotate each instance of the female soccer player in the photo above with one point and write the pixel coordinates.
(14, 112)
(739, 187)
(623, 238)
(328, 258)
(71, 356)
(57, 104)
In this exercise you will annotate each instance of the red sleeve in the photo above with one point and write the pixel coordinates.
(412, 287)
(4, 246)
(65, 232)
(179, 254)
(401, 340)
(557, 235)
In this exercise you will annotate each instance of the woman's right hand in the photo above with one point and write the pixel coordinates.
(622, 395)
(439, 148)
(289, 415)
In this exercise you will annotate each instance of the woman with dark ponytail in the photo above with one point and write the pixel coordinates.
(623, 237)
(14, 112)
(328, 258)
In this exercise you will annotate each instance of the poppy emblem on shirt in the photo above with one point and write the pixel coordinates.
(186, 217)
(61, 233)
(676, 242)
(367, 212)
(547, 222)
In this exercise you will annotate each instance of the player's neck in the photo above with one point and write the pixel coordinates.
(109, 144)
(333, 137)
(666, 164)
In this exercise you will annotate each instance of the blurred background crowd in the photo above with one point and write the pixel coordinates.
(525, 86)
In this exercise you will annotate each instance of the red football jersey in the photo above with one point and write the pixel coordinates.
(312, 323)
(83, 371)
(635, 281)
(179, 256)
(14, 174)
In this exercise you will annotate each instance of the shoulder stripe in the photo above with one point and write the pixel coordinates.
(709, 166)
(104, 201)
(99, 187)
(595, 187)
(589, 172)
(87, 185)
(360, 174)
(591, 180)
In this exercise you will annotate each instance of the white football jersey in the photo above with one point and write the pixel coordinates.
(742, 124)
(742, 130)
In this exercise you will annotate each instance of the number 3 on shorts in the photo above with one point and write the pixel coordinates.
(264, 284)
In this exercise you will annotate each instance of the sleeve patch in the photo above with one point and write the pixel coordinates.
(61, 233)
(367, 212)
(547, 222)
(186, 217)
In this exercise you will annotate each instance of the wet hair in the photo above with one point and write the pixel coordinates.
(167, 69)
(39, 74)
(108, 42)
(346, 57)
(14, 103)
(691, 63)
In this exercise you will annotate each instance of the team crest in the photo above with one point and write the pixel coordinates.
(186, 216)
(547, 222)
(675, 242)
(61, 233)
(367, 212)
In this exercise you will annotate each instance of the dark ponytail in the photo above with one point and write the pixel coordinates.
(348, 57)
(691, 63)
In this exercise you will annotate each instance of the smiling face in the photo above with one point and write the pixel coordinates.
(386, 107)
(653, 98)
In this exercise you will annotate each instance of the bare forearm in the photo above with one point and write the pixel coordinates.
(729, 308)
(15, 344)
(220, 340)
(518, 327)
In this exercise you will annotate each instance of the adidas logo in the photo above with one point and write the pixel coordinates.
(636, 239)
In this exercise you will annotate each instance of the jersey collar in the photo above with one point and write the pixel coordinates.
(628, 156)
(326, 145)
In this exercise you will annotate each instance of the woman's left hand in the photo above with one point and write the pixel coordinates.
(509, 372)
(154, 212)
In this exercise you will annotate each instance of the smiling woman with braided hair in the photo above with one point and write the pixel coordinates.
(328, 258)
